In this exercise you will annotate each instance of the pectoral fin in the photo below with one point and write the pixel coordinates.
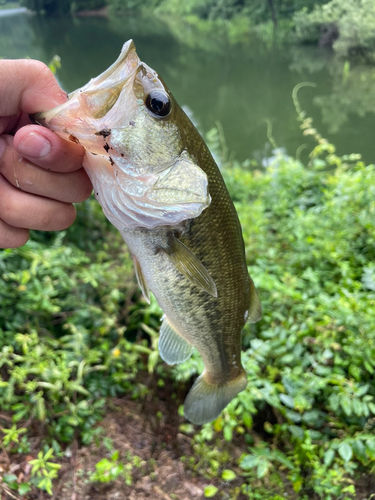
(255, 309)
(173, 348)
(190, 266)
(141, 280)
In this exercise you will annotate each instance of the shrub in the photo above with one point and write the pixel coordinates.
(348, 25)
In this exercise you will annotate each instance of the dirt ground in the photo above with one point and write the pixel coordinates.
(139, 429)
(132, 430)
(135, 429)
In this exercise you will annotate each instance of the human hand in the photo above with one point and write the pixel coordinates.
(41, 175)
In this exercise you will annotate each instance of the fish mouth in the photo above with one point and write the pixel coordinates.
(100, 93)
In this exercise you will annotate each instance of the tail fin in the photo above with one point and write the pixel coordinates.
(206, 401)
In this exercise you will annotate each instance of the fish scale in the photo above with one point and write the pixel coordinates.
(159, 185)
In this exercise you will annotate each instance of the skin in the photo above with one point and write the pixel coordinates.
(41, 175)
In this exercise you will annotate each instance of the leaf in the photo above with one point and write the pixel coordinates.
(210, 491)
(283, 459)
(370, 448)
(297, 432)
(49, 454)
(345, 451)
(228, 475)
(329, 455)
(287, 400)
(10, 480)
(359, 450)
(249, 462)
(152, 361)
(357, 407)
(24, 488)
(262, 468)
(362, 390)
(228, 433)
(346, 405)
(248, 419)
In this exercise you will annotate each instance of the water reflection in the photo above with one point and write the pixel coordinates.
(240, 87)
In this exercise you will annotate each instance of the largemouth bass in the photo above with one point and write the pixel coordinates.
(159, 185)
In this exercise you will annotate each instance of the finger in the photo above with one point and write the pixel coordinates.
(25, 210)
(12, 237)
(71, 187)
(48, 150)
(29, 86)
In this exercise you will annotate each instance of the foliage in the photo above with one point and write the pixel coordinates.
(74, 331)
(44, 471)
(348, 25)
(47, 6)
(112, 468)
(258, 11)
(62, 6)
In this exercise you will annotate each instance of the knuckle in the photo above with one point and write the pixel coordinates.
(41, 71)
(43, 79)
(8, 205)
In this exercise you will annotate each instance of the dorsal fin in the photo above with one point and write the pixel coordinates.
(173, 348)
(141, 280)
(190, 266)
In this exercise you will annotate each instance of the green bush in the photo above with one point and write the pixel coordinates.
(64, 6)
(352, 22)
(69, 310)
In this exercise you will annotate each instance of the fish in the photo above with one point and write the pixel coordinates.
(159, 185)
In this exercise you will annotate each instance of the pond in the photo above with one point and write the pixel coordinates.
(246, 88)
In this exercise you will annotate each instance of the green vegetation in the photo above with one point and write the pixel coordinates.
(62, 6)
(76, 338)
(5, 4)
(347, 26)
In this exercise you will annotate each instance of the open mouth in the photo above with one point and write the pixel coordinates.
(100, 94)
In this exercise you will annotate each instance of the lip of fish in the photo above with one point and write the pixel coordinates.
(124, 68)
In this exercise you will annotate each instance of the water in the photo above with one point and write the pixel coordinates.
(243, 88)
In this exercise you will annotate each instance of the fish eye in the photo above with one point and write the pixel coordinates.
(158, 103)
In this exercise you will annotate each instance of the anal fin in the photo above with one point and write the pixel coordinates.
(141, 280)
(173, 348)
(190, 266)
